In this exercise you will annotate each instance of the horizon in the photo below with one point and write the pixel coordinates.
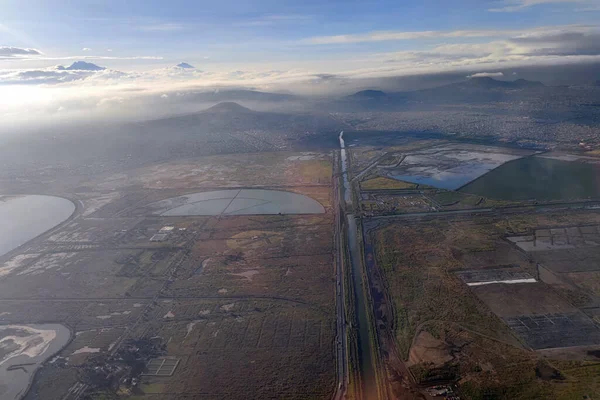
(310, 49)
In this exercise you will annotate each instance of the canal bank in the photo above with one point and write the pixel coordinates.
(363, 332)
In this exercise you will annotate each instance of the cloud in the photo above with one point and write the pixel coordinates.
(380, 36)
(565, 43)
(162, 27)
(486, 75)
(17, 52)
(520, 5)
(91, 57)
(24, 54)
(41, 76)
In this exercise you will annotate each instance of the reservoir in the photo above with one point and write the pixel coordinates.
(25, 217)
(539, 178)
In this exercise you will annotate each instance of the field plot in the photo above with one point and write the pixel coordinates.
(93, 230)
(539, 315)
(243, 348)
(452, 166)
(461, 294)
(383, 183)
(381, 203)
(230, 171)
(559, 238)
(163, 304)
(75, 275)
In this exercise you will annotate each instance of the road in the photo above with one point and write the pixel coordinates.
(341, 337)
(535, 208)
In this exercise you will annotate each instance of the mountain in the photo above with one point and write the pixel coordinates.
(228, 127)
(470, 91)
(368, 94)
(228, 107)
(185, 66)
(241, 95)
(81, 66)
(491, 83)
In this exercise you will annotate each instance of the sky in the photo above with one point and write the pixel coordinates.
(271, 44)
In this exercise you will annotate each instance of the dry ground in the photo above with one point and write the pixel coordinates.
(419, 261)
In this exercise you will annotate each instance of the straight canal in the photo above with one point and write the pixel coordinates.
(366, 364)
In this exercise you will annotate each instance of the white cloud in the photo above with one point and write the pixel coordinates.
(17, 52)
(519, 5)
(86, 49)
(486, 75)
(380, 36)
(110, 101)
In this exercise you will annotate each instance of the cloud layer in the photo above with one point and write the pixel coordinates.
(17, 52)
(472, 53)
(520, 5)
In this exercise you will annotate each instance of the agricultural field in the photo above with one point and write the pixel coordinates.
(186, 306)
(228, 171)
(382, 183)
(461, 292)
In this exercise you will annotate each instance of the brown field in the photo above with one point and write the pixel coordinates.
(451, 331)
(246, 304)
(224, 171)
(385, 183)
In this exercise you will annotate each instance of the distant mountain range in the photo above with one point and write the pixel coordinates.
(228, 107)
(185, 66)
(473, 90)
(240, 95)
(81, 66)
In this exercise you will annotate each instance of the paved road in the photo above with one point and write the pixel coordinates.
(535, 208)
(341, 337)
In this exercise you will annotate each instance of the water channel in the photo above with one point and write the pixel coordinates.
(365, 354)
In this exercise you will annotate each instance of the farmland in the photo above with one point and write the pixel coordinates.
(452, 314)
(211, 306)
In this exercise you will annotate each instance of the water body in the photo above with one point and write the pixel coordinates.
(452, 166)
(238, 202)
(24, 217)
(539, 178)
(347, 187)
(24, 349)
(449, 179)
(365, 356)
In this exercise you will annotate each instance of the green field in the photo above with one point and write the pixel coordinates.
(540, 179)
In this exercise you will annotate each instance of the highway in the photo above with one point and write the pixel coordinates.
(341, 336)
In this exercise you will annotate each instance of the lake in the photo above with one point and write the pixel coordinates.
(25, 217)
(539, 178)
